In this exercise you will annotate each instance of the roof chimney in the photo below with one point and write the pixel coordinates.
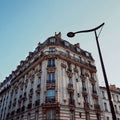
(58, 35)
(77, 45)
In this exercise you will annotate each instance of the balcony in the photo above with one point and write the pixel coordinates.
(14, 103)
(70, 88)
(13, 112)
(29, 106)
(71, 102)
(69, 72)
(37, 102)
(97, 107)
(24, 98)
(51, 65)
(51, 68)
(84, 92)
(76, 70)
(18, 110)
(38, 89)
(92, 80)
(31, 93)
(50, 99)
(86, 106)
(31, 90)
(50, 84)
(39, 74)
(50, 81)
(23, 109)
(94, 95)
(83, 77)
(8, 115)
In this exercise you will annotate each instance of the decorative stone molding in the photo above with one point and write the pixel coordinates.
(55, 106)
(92, 80)
(94, 95)
(86, 106)
(76, 70)
(50, 86)
(39, 74)
(70, 88)
(83, 77)
(63, 65)
(51, 69)
(84, 92)
(69, 73)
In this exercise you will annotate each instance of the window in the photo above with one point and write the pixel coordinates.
(28, 116)
(78, 49)
(66, 44)
(36, 115)
(87, 54)
(87, 116)
(119, 108)
(98, 116)
(105, 105)
(51, 77)
(72, 116)
(103, 94)
(50, 96)
(76, 79)
(52, 40)
(93, 88)
(51, 93)
(83, 86)
(82, 72)
(115, 108)
(51, 62)
(80, 114)
(117, 98)
(51, 115)
(78, 94)
(86, 99)
(107, 118)
(113, 97)
(51, 49)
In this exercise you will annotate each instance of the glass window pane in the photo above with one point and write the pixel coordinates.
(51, 76)
(50, 93)
(51, 115)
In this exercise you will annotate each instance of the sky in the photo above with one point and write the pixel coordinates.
(25, 23)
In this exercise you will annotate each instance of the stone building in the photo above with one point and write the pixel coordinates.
(115, 94)
(55, 82)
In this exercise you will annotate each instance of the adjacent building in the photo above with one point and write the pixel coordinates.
(115, 94)
(57, 81)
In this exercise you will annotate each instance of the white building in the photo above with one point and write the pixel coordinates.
(115, 94)
(55, 82)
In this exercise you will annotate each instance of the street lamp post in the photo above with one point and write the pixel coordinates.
(72, 34)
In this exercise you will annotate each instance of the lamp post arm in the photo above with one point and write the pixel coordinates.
(90, 30)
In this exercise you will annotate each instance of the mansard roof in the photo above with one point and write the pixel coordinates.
(58, 42)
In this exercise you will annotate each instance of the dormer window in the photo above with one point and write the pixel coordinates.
(52, 40)
(78, 49)
(52, 49)
(36, 49)
(87, 54)
(66, 44)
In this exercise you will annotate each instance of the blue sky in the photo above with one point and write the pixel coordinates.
(24, 23)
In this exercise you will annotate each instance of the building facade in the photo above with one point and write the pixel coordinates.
(55, 82)
(115, 94)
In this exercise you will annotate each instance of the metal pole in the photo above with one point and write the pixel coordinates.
(72, 34)
(105, 79)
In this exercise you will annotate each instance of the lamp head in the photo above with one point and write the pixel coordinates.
(70, 34)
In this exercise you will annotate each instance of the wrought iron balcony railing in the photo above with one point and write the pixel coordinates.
(71, 101)
(50, 99)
